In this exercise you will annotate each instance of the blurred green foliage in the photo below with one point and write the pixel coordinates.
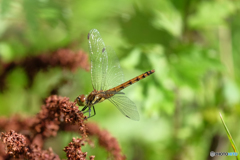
(193, 45)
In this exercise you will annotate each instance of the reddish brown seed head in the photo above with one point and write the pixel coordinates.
(81, 100)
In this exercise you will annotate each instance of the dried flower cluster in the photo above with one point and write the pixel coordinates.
(58, 113)
(58, 110)
(74, 150)
(17, 147)
(106, 140)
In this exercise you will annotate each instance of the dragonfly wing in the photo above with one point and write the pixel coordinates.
(125, 105)
(112, 72)
(96, 45)
(105, 68)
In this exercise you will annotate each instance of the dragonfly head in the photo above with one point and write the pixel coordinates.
(80, 100)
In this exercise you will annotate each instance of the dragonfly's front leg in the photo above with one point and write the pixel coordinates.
(84, 108)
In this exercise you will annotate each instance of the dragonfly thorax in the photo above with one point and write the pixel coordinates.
(94, 98)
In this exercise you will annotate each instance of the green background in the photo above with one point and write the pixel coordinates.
(193, 45)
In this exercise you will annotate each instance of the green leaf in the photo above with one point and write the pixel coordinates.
(211, 14)
(230, 137)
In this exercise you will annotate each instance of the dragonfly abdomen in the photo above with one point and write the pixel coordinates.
(131, 81)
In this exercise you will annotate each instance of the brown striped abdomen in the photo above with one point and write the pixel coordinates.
(131, 81)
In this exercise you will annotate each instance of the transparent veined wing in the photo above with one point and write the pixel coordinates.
(125, 105)
(96, 45)
(112, 72)
(105, 68)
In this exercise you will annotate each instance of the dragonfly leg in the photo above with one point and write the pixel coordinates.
(94, 112)
(89, 111)
(85, 111)
(84, 108)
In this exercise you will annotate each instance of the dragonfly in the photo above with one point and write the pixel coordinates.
(107, 79)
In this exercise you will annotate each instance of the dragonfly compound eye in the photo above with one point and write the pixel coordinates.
(80, 100)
